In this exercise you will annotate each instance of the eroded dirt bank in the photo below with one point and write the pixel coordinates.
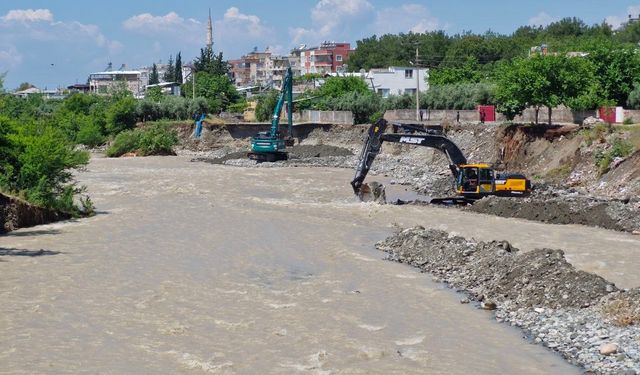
(16, 213)
(578, 314)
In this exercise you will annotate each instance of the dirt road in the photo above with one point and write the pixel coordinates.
(199, 268)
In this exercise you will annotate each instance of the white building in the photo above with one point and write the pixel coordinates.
(103, 82)
(397, 80)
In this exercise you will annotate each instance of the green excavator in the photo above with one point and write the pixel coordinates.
(270, 145)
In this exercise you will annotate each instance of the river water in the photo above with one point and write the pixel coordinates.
(195, 268)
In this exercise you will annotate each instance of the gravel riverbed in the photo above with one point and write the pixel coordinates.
(583, 317)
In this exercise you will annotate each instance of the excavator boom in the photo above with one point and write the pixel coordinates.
(376, 136)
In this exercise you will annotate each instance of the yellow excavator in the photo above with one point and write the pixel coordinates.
(472, 181)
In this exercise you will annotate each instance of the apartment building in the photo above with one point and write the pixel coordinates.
(329, 57)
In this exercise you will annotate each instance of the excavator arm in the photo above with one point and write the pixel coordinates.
(376, 136)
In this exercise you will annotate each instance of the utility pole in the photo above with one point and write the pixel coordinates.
(417, 66)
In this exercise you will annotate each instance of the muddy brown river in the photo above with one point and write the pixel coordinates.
(196, 268)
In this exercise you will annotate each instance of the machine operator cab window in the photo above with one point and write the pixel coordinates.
(472, 177)
(469, 179)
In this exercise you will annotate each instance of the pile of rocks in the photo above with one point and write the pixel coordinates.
(580, 315)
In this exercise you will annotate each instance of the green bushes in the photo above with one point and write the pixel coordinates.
(459, 96)
(634, 97)
(170, 107)
(36, 163)
(126, 141)
(157, 139)
(90, 134)
(266, 104)
(121, 115)
(362, 105)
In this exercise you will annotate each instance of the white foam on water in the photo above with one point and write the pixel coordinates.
(278, 306)
(406, 276)
(314, 364)
(362, 257)
(192, 362)
(232, 326)
(231, 291)
(410, 341)
(371, 328)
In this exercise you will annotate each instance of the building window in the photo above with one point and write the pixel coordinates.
(410, 91)
(384, 92)
(338, 57)
(408, 73)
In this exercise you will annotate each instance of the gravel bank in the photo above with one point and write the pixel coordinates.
(562, 206)
(580, 315)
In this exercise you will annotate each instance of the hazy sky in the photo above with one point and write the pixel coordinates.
(59, 42)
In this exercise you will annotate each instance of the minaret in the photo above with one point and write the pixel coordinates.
(210, 33)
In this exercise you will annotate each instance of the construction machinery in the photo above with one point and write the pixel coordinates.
(270, 145)
(472, 181)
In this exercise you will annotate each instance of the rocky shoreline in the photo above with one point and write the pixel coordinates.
(583, 317)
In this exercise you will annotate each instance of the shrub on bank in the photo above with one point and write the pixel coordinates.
(126, 141)
(157, 139)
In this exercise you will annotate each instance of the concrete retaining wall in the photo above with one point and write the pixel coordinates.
(560, 114)
(329, 117)
(633, 114)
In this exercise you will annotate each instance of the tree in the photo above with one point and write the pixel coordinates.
(468, 73)
(337, 86)
(170, 74)
(210, 63)
(2, 75)
(154, 78)
(218, 90)
(630, 33)
(154, 94)
(178, 69)
(617, 69)
(543, 81)
(24, 86)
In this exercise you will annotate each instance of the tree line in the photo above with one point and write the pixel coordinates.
(583, 66)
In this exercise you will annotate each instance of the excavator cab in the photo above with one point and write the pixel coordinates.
(475, 180)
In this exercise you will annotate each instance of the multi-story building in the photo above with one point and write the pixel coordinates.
(259, 69)
(103, 82)
(329, 57)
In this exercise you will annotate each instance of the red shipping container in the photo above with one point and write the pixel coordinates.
(487, 113)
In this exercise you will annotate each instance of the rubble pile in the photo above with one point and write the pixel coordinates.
(581, 315)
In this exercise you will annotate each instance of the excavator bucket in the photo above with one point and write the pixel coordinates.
(373, 192)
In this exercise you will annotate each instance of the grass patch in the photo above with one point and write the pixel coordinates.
(619, 149)
(597, 133)
(561, 172)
